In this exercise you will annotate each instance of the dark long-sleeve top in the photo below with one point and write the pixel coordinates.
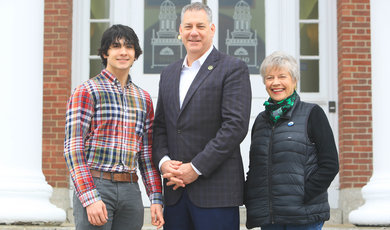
(320, 133)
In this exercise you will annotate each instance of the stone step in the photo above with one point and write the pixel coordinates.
(150, 227)
(332, 224)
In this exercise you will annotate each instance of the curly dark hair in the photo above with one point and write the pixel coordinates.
(114, 34)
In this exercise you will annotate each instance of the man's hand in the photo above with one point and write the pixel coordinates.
(157, 215)
(170, 166)
(97, 213)
(188, 175)
(170, 171)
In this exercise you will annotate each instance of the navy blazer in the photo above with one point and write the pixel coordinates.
(207, 130)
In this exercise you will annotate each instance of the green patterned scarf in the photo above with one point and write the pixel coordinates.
(276, 110)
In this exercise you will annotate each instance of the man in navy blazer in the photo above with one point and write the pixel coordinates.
(202, 116)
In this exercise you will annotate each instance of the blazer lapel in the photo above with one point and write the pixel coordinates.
(176, 86)
(204, 71)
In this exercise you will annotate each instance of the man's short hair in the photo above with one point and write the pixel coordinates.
(197, 6)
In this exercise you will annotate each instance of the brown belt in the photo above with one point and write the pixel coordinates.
(115, 176)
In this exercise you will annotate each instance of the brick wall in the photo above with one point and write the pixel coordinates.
(56, 88)
(354, 88)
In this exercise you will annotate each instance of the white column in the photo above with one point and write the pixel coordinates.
(24, 193)
(376, 210)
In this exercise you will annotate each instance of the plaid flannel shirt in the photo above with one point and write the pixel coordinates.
(109, 129)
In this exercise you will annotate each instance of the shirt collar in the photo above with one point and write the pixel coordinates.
(111, 77)
(201, 60)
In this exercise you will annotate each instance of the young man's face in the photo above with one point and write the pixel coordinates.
(196, 32)
(121, 56)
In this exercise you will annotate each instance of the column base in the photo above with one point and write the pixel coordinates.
(376, 209)
(27, 201)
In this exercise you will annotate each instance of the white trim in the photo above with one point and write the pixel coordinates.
(120, 11)
(272, 38)
(331, 57)
(281, 27)
(214, 6)
(80, 42)
(289, 27)
(309, 21)
(99, 20)
(309, 57)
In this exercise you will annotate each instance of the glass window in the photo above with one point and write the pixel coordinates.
(100, 9)
(309, 76)
(309, 46)
(99, 22)
(162, 45)
(242, 31)
(97, 30)
(95, 66)
(308, 9)
(309, 39)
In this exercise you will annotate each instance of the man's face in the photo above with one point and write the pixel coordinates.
(121, 56)
(196, 33)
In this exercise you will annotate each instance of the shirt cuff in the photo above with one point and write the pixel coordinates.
(156, 198)
(195, 169)
(165, 158)
(89, 197)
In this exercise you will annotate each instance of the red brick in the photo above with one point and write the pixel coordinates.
(354, 66)
(57, 83)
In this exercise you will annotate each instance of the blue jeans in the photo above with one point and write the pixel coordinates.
(124, 207)
(312, 226)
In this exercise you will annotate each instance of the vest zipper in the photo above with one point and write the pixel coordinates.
(269, 174)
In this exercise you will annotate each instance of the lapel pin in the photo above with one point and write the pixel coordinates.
(291, 123)
(210, 67)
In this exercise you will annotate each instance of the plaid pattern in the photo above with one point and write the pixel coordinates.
(109, 129)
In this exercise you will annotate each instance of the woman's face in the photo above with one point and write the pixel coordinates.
(279, 84)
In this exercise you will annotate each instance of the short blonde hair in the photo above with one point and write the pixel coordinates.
(280, 60)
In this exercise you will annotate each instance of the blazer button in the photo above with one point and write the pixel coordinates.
(178, 131)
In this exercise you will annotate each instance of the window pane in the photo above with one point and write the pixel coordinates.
(100, 9)
(242, 31)
(95, 67)
(308, 9)
(310, 76)
(161, 45)
(97, 30)
(309, 39)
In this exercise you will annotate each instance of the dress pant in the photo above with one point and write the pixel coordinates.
(184, 215)
(124, 206)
